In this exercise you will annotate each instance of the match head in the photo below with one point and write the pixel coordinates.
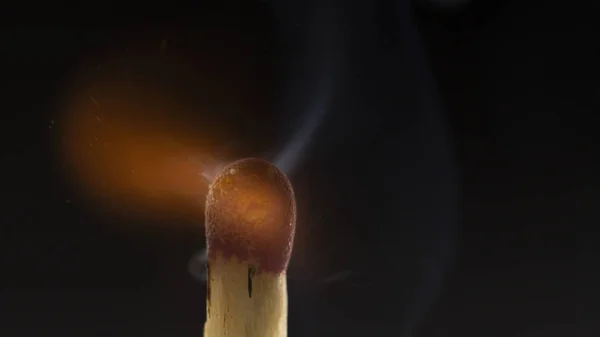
(251, 215)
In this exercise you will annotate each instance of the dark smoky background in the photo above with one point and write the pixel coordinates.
(442, 155)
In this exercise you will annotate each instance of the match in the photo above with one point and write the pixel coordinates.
(250, 224)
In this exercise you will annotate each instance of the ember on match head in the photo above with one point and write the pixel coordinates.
(251, 215)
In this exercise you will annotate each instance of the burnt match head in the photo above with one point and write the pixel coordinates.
(251, 214)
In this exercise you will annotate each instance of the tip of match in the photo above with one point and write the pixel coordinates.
(251, 215)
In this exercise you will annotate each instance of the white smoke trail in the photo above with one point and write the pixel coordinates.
(316, 50)
(197, 266)
(291, 154)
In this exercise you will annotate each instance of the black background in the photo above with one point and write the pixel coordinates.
(475, 155)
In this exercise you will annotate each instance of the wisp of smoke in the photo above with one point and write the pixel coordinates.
(197, 266)
(288, 158)
(317, 47)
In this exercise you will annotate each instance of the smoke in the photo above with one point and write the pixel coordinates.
(316, 52)
(197, 266)
(291, 154)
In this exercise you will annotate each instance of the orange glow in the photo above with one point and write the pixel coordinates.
(136, 149)
(250, 201)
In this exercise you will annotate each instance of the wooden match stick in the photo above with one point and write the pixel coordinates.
(250, 223)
